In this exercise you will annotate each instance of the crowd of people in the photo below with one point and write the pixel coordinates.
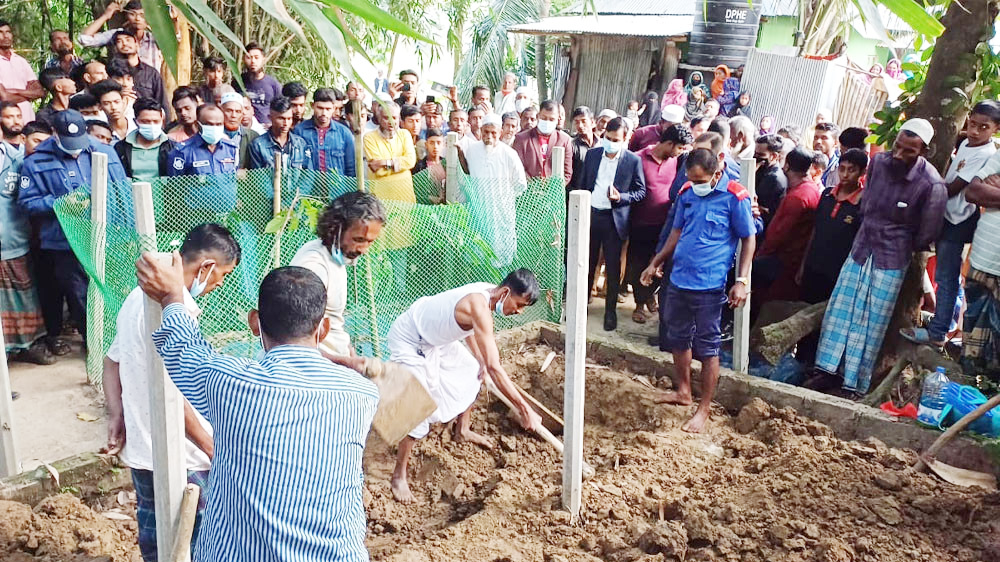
(830, 219)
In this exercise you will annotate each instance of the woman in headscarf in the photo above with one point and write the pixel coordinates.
(893, 70)
(874, 72)
(675, 94)
(651, 111)
(728, 99)
(696, 81)
(766, 125)
(721, 75)
(695, 105)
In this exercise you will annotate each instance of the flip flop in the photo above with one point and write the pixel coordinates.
(638, 317)
(920, 336)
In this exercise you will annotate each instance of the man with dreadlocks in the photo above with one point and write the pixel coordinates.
(346, 228)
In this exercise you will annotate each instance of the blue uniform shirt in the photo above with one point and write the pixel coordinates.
(49, 173)
(730, 172)
(215, 191)
(710, 226)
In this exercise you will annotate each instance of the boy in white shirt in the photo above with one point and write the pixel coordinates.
(961, 218)
(209, 253)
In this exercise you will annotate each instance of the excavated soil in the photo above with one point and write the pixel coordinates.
(766, 485)
(62, 528)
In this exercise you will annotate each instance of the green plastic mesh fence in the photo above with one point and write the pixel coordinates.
(424, 249)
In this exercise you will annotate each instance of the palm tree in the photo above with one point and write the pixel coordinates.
(487, 54)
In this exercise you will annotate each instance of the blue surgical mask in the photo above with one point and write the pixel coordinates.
(212, 133)
(198, 286)
(498, 308)
(611, 147)
(73, 153)
(336, 254)
(150, 132)
(546, 127)
(702, 189)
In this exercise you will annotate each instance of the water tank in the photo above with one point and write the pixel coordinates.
(724, 31)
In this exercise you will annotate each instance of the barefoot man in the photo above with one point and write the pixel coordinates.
(428, 337)
(712, 216)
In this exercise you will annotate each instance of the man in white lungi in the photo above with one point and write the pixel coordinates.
(347, 227)
(428, 338)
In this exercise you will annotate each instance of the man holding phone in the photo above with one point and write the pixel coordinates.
(615, 177)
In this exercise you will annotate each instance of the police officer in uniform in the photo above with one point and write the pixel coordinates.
(212, 156)
(61, 165)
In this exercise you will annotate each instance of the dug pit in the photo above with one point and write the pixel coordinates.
(765, 485)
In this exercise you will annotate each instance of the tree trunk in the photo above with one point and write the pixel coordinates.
(540, 74)
(954, 64)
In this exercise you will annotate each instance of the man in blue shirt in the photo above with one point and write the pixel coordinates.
(211, 154)
(711, 218)
(279, 137)
(299, 420)
(59, 166)
(331, 143)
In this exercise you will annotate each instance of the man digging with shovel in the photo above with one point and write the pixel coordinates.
(428, 337)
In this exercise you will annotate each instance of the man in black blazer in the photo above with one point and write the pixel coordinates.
(614, 176)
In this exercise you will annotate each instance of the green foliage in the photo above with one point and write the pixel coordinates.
(486, 59)
(34, 19)
(892, 116)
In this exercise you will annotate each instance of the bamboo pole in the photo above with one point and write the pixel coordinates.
(452, 178)
(276, 205)
(165, 403)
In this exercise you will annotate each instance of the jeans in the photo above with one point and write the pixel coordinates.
(948, 277)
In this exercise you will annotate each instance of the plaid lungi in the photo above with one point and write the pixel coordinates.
(981, 327)
(145, 509)
(856, 319)
(20, 313)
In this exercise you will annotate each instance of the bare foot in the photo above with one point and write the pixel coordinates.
(472, 437)
(673, 397)
(401, 491)
(697, 423)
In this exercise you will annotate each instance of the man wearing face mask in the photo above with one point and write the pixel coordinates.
(428, 338)
(58, 166)
(210, 154)
(711, 218)
(209, 254)
(300, 420)
(771, 182)
(534, 146)
(615, 177)
(145, 150)
(903, 209)
(347, 228)
(497, 178)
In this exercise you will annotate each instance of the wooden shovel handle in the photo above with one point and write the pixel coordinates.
(181, 551)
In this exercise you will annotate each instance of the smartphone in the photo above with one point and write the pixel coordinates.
(430, 99)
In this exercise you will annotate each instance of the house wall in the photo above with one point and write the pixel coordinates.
(610, 70)
(777, 31)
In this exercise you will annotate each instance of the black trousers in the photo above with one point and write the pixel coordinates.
(603, 234)
(641, 248)
(59, 276)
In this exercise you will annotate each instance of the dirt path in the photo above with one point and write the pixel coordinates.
(766, 486)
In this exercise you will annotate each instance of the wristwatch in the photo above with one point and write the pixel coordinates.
(744, 280)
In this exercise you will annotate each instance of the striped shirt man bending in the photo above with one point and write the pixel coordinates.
(290, 429)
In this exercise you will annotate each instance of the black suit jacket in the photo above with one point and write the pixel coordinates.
(629, 181)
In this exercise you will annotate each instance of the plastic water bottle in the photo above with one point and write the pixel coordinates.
(932, 400)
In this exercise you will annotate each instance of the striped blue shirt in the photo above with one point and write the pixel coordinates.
(290, 432)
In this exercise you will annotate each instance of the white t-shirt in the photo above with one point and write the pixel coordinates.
(965, 165)
(985, 254)
(314, 256)
(129, 349)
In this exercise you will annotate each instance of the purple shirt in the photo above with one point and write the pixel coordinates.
(260, 92)
(652, 211)
(901, 214)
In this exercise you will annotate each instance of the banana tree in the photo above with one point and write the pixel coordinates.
(823, 20)
(325, 18)
(484, 61)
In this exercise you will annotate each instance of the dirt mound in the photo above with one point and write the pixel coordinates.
(61, 528)
(768, 485)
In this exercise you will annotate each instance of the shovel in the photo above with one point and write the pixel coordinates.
(403, 401)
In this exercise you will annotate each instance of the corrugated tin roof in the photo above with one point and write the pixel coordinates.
(638, 7)
(637, 26)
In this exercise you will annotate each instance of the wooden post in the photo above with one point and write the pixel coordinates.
(98, 244)
(452, 188)
(8, 453)
(166, 406)
(276, 205)
(577, 289)
(359, 146)
(741, 323)
(558, 156)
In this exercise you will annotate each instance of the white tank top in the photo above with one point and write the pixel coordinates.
(431, 320)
